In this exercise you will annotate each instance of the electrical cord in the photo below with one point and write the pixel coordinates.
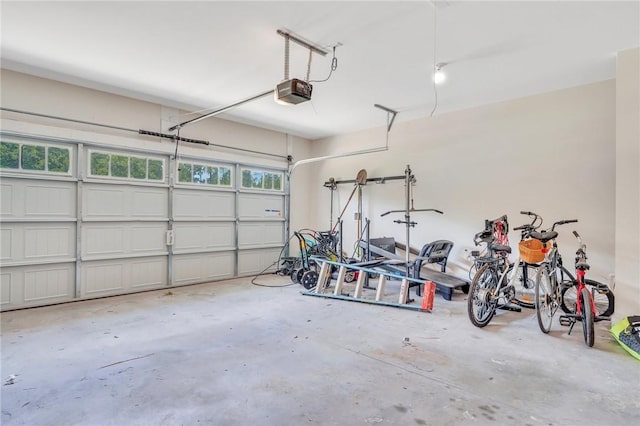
(334, 66)
(277, 262)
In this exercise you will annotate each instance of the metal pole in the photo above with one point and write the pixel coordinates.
(407, 214)
(221, 110)
(340, 240)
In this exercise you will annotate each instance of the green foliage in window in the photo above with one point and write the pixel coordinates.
(58, 159)
(138, 167)
(33, 157)
(155, 170)
(268, 181)
(225, 176)
(99, 164)
(119, 165)
(184, 172)
(256, 179)
(277, 182)
(9, 155)
(200, 174)
(246, 178)
(213, 175)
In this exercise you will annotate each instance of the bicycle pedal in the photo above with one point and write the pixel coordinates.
(511, 307)
(566, 321)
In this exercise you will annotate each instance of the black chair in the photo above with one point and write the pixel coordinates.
(434, 252)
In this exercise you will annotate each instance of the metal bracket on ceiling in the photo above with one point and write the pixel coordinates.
(389, 111)
(314, 47)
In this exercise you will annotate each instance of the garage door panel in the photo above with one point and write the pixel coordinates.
(6, 244)
(146, 273)
(33, 285)
(148, 238)
(103, 240)
(260, 206)
(101, 277)
(46, 241)
(256, 261)
(203, 204)
(33, 199)
(260, 234)
(6, 199)
(203, 267)
(119, 239)
(49, 200)
(149, 202)
(204, 236)
(106, 277)
(36, 242)
(50, 283)
(105, 201)
(6, 290)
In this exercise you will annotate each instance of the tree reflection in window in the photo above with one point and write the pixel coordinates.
(33, 157)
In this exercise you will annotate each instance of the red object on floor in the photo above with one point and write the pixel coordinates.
(428, 296)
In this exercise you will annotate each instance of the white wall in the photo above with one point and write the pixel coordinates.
(553, 154)
(627, 260)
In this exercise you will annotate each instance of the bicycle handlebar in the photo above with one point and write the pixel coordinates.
(583, 247)
(529, 226)
(563, 222)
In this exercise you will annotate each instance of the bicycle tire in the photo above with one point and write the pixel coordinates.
(545, 302)
(524, 290)
(602, 297)
(481, 305)
(587, 318)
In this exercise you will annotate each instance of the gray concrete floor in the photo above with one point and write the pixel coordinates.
(229, 353)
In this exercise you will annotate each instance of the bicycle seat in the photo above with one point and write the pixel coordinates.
(499, 247)
(582, 264)
(543, 236)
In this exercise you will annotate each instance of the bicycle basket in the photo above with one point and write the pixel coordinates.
(531, 250)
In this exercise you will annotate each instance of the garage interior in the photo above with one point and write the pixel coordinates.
(154, 171)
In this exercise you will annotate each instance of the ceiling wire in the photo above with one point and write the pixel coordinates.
(334, 66)
(435, 35)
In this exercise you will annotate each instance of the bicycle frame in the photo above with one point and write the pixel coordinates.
(548, 294)
(580, 276)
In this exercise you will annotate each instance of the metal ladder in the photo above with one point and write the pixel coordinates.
(324, 277)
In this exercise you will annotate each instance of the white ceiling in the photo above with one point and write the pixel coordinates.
(210, 54)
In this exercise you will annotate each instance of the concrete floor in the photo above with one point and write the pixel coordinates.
(229, 353)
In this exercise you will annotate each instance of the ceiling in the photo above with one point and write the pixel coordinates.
(211, 54)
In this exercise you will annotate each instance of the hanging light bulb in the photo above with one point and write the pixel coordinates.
(439, 76)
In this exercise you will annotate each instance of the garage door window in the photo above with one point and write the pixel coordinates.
(34, 157)
(120, 166)
(204, 174)
(261, 180)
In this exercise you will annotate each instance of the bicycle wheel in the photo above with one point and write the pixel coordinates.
(587, 317)
(524, 284)
(481, 303)
(602, 297)
(546, 305)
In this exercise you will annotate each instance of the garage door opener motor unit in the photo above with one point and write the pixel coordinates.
(293, 91)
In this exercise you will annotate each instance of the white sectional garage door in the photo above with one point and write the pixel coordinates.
(82, 221)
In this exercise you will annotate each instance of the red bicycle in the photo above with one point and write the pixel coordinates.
(585, 307)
